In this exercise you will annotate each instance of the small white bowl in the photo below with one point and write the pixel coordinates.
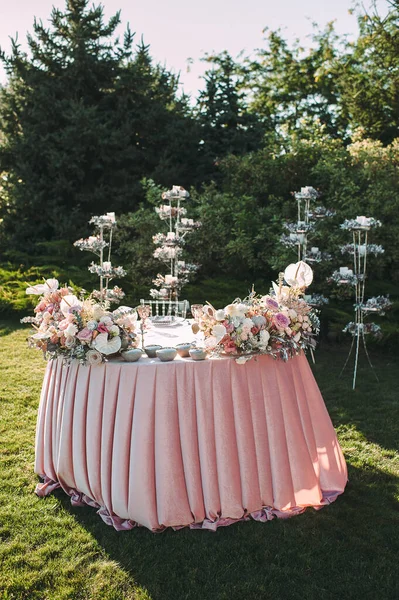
(183, 349)
(166, 354)
(198, 353)
(151, 350)
(132, 355)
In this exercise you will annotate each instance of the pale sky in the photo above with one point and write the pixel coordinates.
(180, 29)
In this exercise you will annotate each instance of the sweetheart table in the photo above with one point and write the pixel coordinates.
(187, 443)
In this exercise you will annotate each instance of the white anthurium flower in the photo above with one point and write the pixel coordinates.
(281, 293)
(49, 286)
(220, 315)
(41, 335)
(106, 346)
(67, 302)
(71, 330)
(298, 274)
(219, 331)
(231, 310)
(211, 342)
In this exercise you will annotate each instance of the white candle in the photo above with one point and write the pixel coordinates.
(301, 238)
(343, 270)
(181, 263)
(168, 279)
(170, 235)
(363, 221)
(292, 236)
(362, 250)
(163, 292)
(349, 272)
(106, 265)
(314, 250)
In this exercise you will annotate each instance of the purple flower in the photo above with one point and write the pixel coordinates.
(281, 321)
(272, 304)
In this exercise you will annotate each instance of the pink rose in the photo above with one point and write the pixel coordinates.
(281, 321)
(255, 330)
(229, 346)
(65, 322)
(85, 335)
(230, 328)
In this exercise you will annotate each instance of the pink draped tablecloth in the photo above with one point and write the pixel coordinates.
(187, 443)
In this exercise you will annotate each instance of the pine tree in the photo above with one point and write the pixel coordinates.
(84, 117)
(227, 127)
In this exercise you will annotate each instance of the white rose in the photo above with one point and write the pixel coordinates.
(264, 337)
(93, 357)
(92, 325)
(241, 310)
(247, 325)
(71, 330)
(219, 315)
(219, 331)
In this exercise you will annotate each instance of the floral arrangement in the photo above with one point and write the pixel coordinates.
(170, 246)
(280, 324)
(320, 212)
(363, 329)
(104, 225)
(344, 278)
(362, 249)
(362, 222)
(378, 304)
(299, 227)
(316, 300)
(76, 328)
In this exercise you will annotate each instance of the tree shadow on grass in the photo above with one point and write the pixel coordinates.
(347, 550)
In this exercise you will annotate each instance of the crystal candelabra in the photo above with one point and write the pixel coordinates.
(298, 233)
(170, 245)
(104, 225)
(356, 277)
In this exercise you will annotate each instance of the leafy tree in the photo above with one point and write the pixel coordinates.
(368, 76)
(84, 117)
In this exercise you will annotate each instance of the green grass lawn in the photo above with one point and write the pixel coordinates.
(348, 550)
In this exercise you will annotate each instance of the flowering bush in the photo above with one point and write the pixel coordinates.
(72, 327)
(280, 324)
